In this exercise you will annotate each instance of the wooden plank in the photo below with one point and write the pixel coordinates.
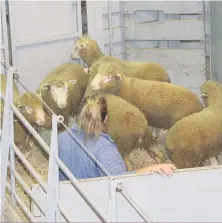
(165, 30)
(185, 66)
(168, 7)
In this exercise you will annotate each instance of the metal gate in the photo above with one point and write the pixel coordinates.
(171, 33)
(4, 37)
(42, 34)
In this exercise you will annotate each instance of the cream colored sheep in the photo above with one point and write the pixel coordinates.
(198, 137)
(63, 89)
(163, 104)
(87, 49)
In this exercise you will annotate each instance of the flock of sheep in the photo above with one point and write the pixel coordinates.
(141, 101)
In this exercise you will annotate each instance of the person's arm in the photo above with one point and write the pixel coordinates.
(111, 160)
(162, 169)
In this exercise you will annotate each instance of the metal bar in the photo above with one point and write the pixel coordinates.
(54, 148)
(36, 176)
(12, 33)
(137, 209)
(63, 167)
(22, 205)
(47, 39)
(31, 169)
(4, 29)
(88, 152)
(78, 16)
(112, 210)
(52, 211)
(11, 135)
(64, 213)
(26, 189)
(5, 139)
(110, 28)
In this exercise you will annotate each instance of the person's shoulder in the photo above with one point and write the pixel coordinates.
(107, 138)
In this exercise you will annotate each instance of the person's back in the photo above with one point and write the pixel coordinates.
(78, 161)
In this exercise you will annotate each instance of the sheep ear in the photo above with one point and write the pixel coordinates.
(205, 95)
(118, 76)
(86, 70)
(72, 81)
(20, 107)
(46, 86)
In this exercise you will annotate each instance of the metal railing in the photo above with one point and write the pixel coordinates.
(53, 209)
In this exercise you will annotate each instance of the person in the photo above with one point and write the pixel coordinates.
(88, 130)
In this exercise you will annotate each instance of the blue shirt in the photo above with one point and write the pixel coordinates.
(78, 161)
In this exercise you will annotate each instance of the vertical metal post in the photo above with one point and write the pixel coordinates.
(6, 137)
(110, 28)
(112, 214)
(12, 153)
(52, 213)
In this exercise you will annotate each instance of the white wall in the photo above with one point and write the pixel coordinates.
(42, 34)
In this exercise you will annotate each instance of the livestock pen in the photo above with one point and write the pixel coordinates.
(38, 36)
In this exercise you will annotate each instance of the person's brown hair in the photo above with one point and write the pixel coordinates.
(92, 116)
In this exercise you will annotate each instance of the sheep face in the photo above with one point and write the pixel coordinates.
(32, 109)
(81, 48)
(106, 83)
(59, 91)
(211, 91)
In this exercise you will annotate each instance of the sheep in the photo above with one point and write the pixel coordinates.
(63, 89)
(87, 49)
(198, 136)
(159, 101)
(127, 126)
(30, 107)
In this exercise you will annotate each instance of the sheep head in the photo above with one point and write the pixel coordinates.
(86, 49)
(58, 90)
(211, 92)
(106, 83)
(32, 108)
